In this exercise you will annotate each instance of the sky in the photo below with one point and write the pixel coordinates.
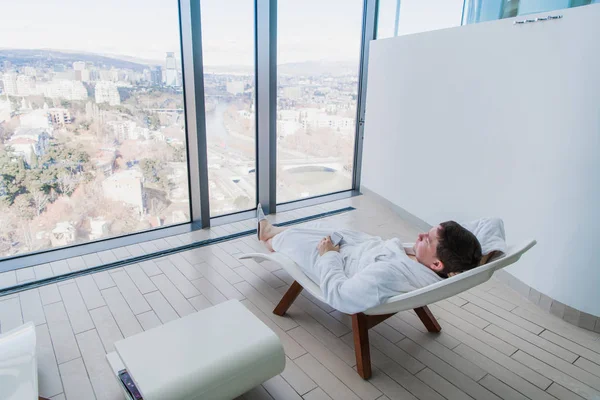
(140, 28)
(308, 30)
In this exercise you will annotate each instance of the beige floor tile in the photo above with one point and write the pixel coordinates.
(500, 358)
(31, 307)
(571, 345)
(297, 378)
(130, 292)
(441, 385)
(120, 310)
(63, 339)
(217, 280)
(107, 327)
(49, 294)
(173, 296)
(200, 302)
(446, 371)
(49, 381)
(279, 389)
(209, 291)
(561, 393)
(339, 368)
(103, 280)
(76, 308)
(177, 278)
(164, 311)
(101, 375)
(574, 385)
(139, 277)
(503, 374)
(427, 341)
(90, 292)
(317, 394)
(589, 366)
(75, 380)
(149, 320)
(501, 389)
(325, 379)
(520, 333)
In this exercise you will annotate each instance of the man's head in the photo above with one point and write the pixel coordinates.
(448, 248)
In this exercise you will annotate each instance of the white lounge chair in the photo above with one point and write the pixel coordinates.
(417, 299)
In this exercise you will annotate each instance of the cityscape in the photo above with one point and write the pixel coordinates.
(93, 146)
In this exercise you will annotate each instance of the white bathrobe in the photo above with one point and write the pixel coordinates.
(367, 270)
(365, 273)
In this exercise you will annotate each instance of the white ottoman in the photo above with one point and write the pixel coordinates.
(217, 353)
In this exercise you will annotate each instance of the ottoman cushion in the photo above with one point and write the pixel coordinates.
(217, 353)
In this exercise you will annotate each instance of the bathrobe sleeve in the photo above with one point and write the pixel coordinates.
(366, 289)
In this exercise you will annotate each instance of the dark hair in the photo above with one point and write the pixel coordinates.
(458, 249)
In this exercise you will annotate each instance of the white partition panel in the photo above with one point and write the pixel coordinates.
(496, 119)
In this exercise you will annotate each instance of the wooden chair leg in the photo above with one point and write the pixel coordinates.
(360, 329)
(428, 319)
(288, 298)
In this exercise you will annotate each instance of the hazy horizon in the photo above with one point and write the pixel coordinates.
(223, 68)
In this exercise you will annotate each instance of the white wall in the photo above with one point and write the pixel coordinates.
(496, 119)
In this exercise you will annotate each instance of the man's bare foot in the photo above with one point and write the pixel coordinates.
(265, 230)
(268, 231)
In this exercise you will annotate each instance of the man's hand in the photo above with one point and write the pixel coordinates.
(326, 245)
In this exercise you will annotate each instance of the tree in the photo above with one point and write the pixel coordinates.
(12, 175)
(9, 223)
(23, 206)
(39, 200)
(63, 168)
(27, 236)
(34, 161)
(150, 168)
(123, 219)
(156, 172)
(4, 134)
(66, 182)
(178, 153)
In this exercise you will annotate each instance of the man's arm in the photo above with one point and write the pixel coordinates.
(366, 289)
(348, 295)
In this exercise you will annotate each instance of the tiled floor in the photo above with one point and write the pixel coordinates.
(494, 343)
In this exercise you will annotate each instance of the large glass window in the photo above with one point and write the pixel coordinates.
(92, 132)
(228, 52)
(318, 62)
(388, 17)
(489, 10)
(403, 17)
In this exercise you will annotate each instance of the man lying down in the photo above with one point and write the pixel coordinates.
(364, 271)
